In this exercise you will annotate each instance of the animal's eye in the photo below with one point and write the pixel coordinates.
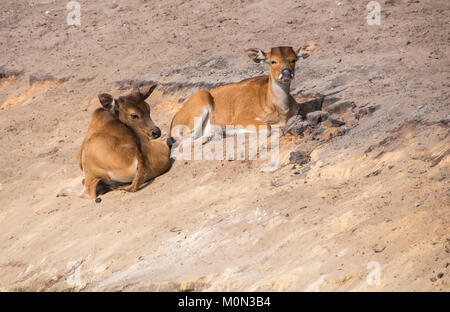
(273, 62)
(293, 61)
(134, 116)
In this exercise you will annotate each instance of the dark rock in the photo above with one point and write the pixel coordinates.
(340, 107)
(365, 111)
(311, 106)
(316, 117)
(112, 6)
(296, 125)
(336, 121)
(299, 158)
(343, 130)
(391, 2)
(378, 248)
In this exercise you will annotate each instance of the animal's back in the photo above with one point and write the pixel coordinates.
(105, 136)
(245, 97)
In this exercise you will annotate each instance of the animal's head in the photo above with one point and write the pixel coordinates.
(133, 111)
(281, 60)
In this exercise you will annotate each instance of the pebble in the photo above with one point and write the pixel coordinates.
(377, 248)
(336, 120)
(112, 6)
(316, 117)
(299, 158)
(416, 204)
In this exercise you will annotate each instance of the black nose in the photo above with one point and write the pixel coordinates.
(156, 133)
(287, 72)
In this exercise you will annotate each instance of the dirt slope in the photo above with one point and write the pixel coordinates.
(375, 190)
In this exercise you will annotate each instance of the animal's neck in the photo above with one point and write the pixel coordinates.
(143, 137)
(140, 136)
(280, 94)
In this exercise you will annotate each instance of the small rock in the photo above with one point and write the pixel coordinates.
(299, 158)
(336, 121)
(311, 106)
(390, 2)
(316, 117)
(295, 125)
(98, 200)
(433, 279)
(374, 173)
(340, 107)
(365, 111)
(112, 6)
(377, 248)
(440, 275)
(416, 204)
(10, 129)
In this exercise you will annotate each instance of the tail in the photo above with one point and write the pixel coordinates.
(66, 191)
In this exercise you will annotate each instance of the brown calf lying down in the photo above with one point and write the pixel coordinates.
(259, 102)
(118, 146)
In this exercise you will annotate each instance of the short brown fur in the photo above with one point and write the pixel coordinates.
(118, 146)
(259, 101)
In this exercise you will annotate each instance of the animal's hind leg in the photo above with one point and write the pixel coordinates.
(90, 186)
(191, 119)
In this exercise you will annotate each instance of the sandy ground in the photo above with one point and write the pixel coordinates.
(369, 210)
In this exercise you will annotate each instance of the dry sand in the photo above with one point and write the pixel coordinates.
(376, 193)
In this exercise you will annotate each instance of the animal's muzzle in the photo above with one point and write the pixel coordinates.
(287, 73)
(156, 133)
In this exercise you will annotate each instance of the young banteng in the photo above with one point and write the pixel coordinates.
(118, 146)
(256, 102)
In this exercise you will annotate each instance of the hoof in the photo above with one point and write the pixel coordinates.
(170, 142)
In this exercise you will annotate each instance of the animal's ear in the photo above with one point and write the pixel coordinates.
(148, 91)
(306, 50)
(107, 101)
(257, 55)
